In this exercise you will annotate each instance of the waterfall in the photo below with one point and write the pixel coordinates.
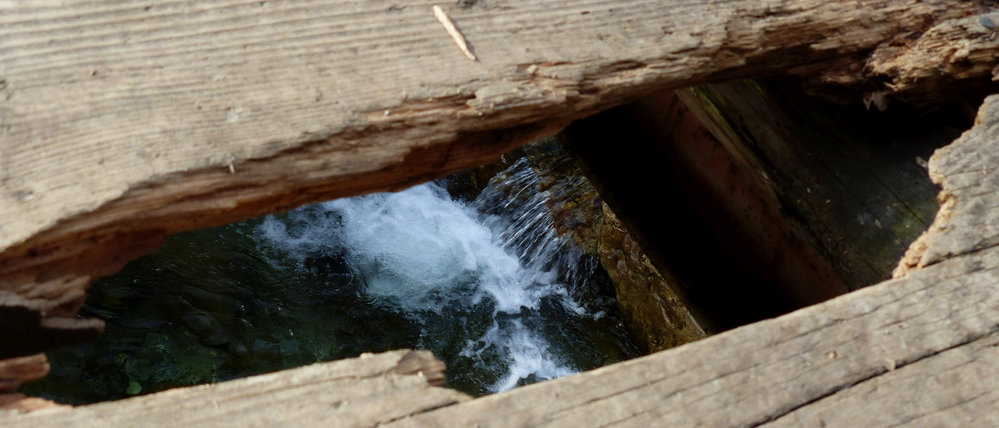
(488, 285)
(481, 280)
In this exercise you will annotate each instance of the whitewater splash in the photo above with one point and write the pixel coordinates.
(444, 264)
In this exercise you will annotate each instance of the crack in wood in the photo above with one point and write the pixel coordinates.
(991, 334)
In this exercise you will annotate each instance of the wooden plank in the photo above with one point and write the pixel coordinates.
(22, 403)
(730, 214)
(121, 122)
(15, 371)
(124, 121)
(968, 221)
(955, 387)
(362, 391)
(767, 370)
(861, 355)
(917, 350)
(859, 200)
(924, 64)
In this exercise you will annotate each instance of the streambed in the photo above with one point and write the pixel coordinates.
(487, 285)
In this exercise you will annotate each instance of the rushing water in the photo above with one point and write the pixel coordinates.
(488, 286)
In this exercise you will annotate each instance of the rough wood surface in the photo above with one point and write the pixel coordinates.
(858, 194)
(362, 391)
(23, 403)
(124, 121)
(957, 49)
(15, 371)
(918, 66)
(918, 350)
(730, 215)
(968, 173)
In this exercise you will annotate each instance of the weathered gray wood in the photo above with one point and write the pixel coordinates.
(362, 391)
(124, 121)
(860, 355)
(762, 372)
(958, 259)
(951, 50)
(917, 350)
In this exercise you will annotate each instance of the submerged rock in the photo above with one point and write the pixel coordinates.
(657, 318)
(652, 308)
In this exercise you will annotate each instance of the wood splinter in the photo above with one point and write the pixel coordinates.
(453, 31)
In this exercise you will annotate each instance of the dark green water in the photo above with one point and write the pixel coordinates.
(501, 306)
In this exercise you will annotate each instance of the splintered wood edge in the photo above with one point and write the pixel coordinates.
(418, 113)
(758, 373)
(954, 263)
(16, 371)
(362, 391)
(21, 403)
(918, 350)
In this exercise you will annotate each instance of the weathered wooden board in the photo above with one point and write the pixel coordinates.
(920, 350)
(15, 371)
(364, 391)
(781, 368)
(968, 220)
(917, 65)
(714, 210)
(956, 387)
(124, 121)
(858, 194)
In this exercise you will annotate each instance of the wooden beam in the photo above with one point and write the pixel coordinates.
(919, 350)
(920, 66)
(853, 360)
(14, 402)
(15, 371)
(122, 122)
(362, 391)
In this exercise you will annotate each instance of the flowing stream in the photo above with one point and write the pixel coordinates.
(488, 285)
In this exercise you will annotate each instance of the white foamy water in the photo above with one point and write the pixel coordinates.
(422, 252)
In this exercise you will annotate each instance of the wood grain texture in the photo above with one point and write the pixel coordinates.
(959, 49)
(918, 350)
(952, 56)
(122, 122)
(955, 387)
(855, 193)
(362, 391)
(22, 403)
(968, 173)
(15, 371)
(763, 372)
